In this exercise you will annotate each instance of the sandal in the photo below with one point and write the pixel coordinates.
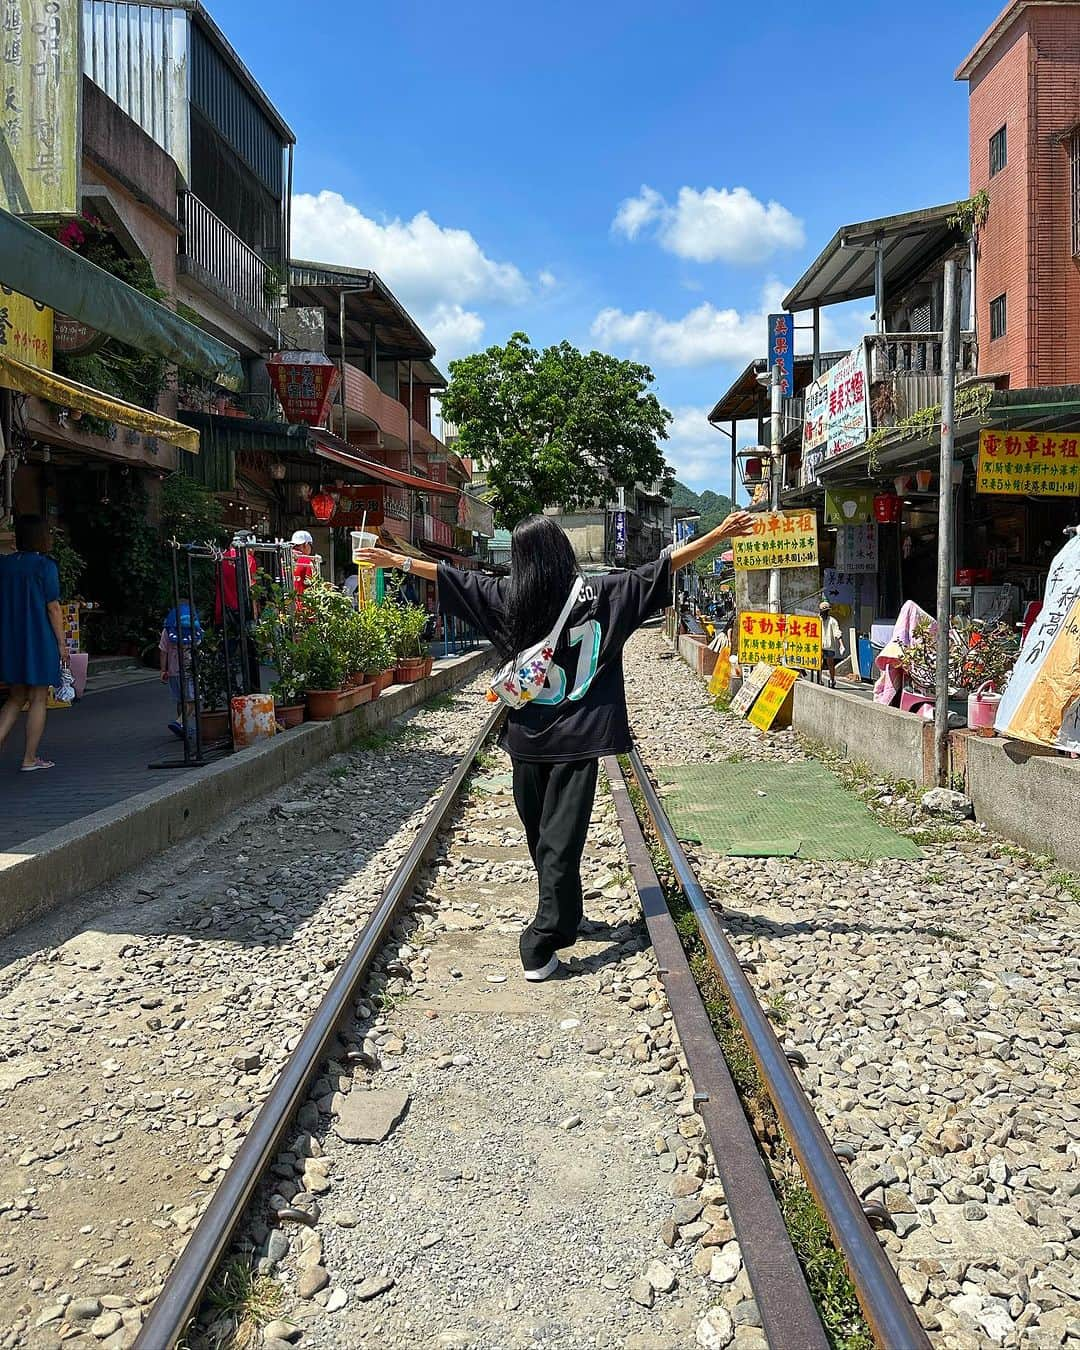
(37, 764)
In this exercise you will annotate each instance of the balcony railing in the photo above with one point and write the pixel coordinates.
(437, 531)
(916, 354)
(363, 396)
(207, 242)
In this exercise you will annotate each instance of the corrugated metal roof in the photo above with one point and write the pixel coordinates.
(844, 270)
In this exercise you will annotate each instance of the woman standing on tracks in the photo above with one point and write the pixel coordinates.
(555, 741)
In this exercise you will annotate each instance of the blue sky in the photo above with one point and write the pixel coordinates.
(632, 177)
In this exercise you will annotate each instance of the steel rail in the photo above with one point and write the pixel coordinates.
(188, 1280)
(788, 1315)
(887, 1309)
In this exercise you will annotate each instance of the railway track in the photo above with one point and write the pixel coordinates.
(789, 1318)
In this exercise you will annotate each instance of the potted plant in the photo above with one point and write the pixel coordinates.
(288, 692)
(980, 654)
(213, 689)
(379, 656)
(410, 622)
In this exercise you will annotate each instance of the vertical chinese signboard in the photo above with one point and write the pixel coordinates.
(782, 350)
(815, 429)
(1042, 700)
(620, 534)
(857, 548)
(1029, 462)
(26, 329)
(40, 107)
(781, 539)
(847, 413)
(780, 639)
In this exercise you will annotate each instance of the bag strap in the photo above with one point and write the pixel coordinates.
(560, 622)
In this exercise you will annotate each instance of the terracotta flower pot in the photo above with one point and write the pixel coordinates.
(409, 670)
(289, 714)
(363, 693)
(386, 679)
(322, 704)
(429, 665)
(214, 725)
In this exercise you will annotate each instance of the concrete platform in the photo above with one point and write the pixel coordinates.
(41, 870)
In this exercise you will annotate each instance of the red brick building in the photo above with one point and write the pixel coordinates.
(1024, 79)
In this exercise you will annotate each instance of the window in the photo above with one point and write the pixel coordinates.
(1074, 156)
(998, 152)
(997, 317)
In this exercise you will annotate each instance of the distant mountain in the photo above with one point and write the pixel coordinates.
(711, 507)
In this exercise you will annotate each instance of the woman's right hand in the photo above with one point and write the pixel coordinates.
(378, 557)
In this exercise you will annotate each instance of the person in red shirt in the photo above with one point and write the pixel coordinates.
(305, 564)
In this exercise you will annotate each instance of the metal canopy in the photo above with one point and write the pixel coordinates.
(372, 303)
(34, 264)
(748, 399)
(844, 270)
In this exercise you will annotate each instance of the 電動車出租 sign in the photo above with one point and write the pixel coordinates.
(778, 539)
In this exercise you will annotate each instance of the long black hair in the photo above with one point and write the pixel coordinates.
(542, 570)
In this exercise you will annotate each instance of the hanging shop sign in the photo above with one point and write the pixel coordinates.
(780, 639)
(26, 329)
(815, 429)
(779, 539)
(1038, 463)
(774, 701)
(40, 115)
(848, 403)
(304, 383)
(620, 534)
(684, 530)
(74, 338)
(857, 548)
(849, 506)
(355, 504)
(782, 350)
(751, 687)
(1041, 702)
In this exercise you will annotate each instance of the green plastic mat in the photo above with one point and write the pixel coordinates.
(494, 783)
(774, 811)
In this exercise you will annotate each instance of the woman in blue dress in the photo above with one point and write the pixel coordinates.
(32, 648)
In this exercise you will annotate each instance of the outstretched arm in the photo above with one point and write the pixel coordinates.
(381, 557)
(738, 523)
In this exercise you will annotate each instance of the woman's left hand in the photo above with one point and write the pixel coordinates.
(737, 524)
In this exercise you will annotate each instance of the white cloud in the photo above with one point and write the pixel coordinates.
(548, 280)
(438, 272)
(699, 454)
(712, 225)
(707, 334)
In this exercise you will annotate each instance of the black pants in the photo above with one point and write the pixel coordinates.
(554, 802)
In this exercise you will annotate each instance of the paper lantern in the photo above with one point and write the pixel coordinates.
(923, 479)
(304, 383)
(887, 507)
(322, 506)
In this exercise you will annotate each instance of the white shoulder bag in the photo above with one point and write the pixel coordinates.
(520, 680)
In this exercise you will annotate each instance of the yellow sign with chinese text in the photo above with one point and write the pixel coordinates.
(780, 539)
(40, 113)
(26, 329)
(780, 639)
(1043, 463)
(772, 698)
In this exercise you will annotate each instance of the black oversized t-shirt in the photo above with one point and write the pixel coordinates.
(581, 713)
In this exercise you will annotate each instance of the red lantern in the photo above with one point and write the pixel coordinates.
(304, 383)
(322, 506)
(887, 508)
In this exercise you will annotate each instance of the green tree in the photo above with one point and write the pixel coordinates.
(556, 427)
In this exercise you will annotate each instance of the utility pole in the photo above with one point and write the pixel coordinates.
(945, 526)
(775, 469)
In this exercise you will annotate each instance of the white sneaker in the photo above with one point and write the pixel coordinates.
(545, 972)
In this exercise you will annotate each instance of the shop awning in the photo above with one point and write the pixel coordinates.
(34, 264)
(57, 389)
(398, 545)
(337, 451)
